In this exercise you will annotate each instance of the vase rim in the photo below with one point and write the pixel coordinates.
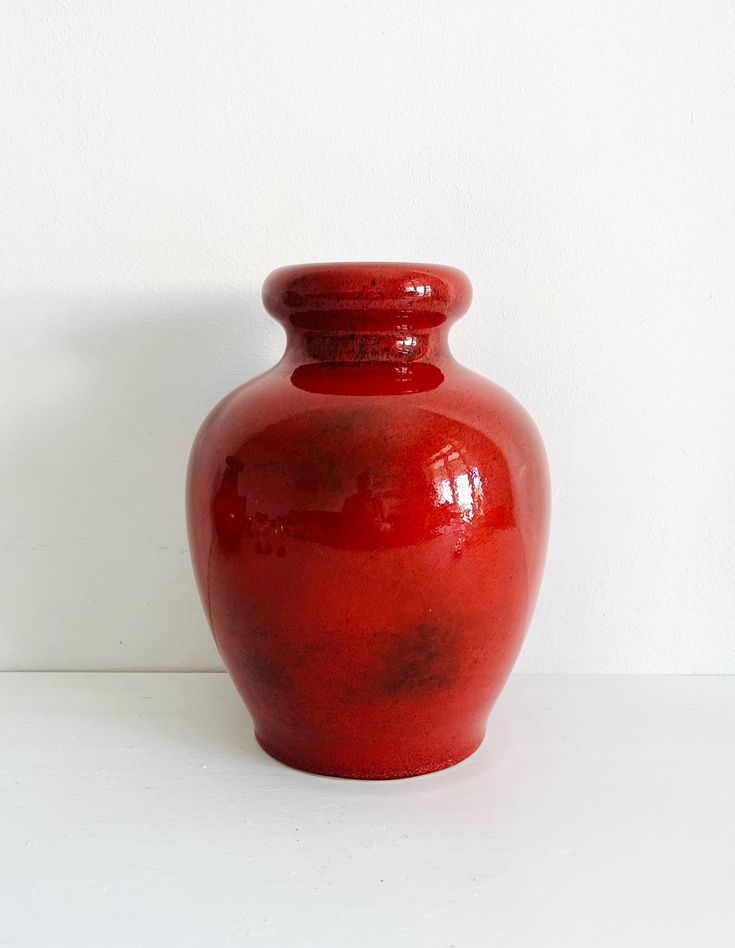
(435, 293)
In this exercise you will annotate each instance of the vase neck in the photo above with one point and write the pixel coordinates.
(367, 328)
(367, 312)
(403, 346)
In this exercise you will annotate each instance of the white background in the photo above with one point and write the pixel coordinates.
(158, 159)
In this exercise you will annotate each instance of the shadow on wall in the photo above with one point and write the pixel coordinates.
(104, 398)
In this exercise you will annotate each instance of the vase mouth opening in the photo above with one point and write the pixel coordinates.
(366, 297)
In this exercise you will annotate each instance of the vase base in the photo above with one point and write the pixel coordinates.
(383, 771)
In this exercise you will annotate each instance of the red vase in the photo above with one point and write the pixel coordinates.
(368, 524)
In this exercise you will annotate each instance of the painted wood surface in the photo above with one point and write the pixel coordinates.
(137, 810)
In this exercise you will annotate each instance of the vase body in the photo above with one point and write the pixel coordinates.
(368, 524)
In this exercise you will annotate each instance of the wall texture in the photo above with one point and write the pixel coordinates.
(576, 159)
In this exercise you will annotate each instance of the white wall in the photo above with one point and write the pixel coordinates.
(576, 159)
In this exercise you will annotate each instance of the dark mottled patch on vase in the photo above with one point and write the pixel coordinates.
(420, 660)
(262, 671)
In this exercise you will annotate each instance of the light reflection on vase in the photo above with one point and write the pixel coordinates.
(363, 517)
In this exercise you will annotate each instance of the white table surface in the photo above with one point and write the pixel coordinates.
(136, 809)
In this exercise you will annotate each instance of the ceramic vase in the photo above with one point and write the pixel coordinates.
(368, 524)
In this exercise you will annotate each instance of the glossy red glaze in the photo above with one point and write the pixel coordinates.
(368, 524)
